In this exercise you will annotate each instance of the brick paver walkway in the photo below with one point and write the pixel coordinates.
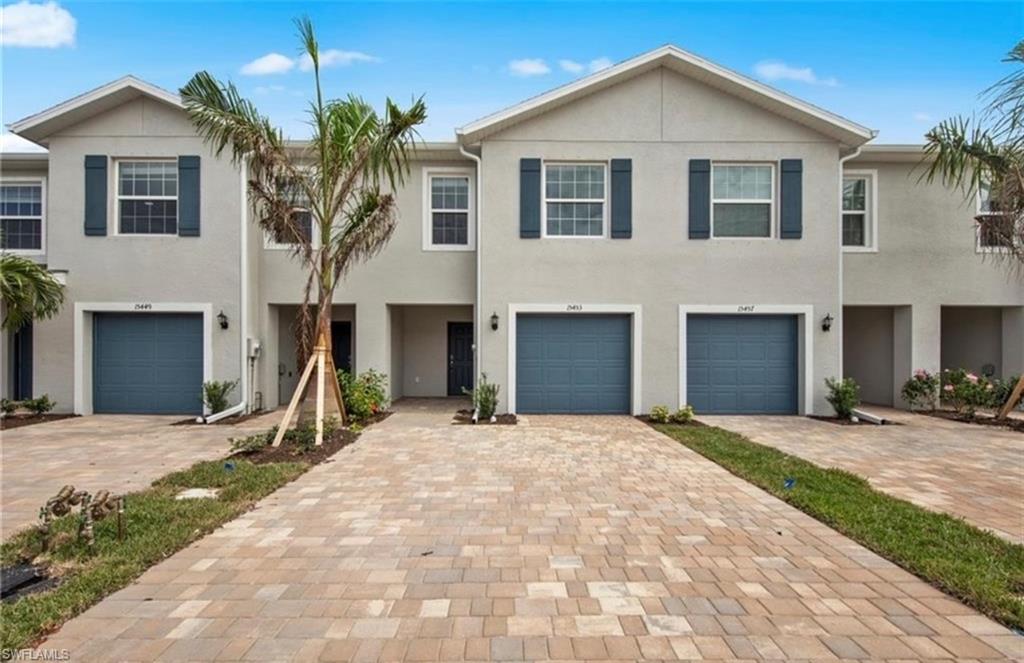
(103, 452)
(566, 538)
(976, 472)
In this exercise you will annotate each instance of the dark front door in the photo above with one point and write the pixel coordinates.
(460, 357)
(23, 363)
(341, 344)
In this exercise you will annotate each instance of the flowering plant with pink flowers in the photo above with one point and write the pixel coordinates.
(921, 391)
(965, 391)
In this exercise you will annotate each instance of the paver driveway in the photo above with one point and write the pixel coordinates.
(112, 452)
(976, 472)
(567, 538)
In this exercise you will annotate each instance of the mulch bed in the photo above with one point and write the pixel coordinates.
(841, 422)
(228, 421)
(19, 420)
(646, 418)
(1010, 423)
(465, 418)
(290, 453)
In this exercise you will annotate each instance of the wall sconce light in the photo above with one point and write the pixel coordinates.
(826, 322)
(494, 321)
(223, 320)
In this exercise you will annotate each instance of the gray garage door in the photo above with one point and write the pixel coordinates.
(576, 364)
(741, 364)
(147, 363)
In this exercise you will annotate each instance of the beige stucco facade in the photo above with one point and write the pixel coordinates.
(905, 300)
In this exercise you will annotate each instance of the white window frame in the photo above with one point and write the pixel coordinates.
(772, 202)
(429, 173)
(605, 226)
(272, 245)
(978, 248)
(114, 214)
(41, 181)
(870, 223)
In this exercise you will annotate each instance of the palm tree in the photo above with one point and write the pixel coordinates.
(331, 199)
(29, 292)
(988, 153)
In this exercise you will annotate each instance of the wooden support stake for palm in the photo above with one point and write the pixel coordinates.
(322, 361)
(1011, 402)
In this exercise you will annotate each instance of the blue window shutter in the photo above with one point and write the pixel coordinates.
(529, 198)
(188, 196)
(700, 198)
(95, 194)
(622, 198)
(791, 195)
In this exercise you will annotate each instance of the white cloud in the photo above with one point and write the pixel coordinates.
(36, 25)
(570, 66)
(922, 117)
(267, 89)
(332, 57)
(599, 64)
(529, 67)
(774, 70)
(271, 63)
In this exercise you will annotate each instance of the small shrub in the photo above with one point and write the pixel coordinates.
(659, 414)
(683, 415)
(843, 396)
(921, 391)
(485, 397)
(252, 443)
(215, 394)
(965, 392)
(9, 407)
(303, 436)
(39, 406)
(364, 395)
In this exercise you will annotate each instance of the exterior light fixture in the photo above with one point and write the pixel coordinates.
(494, 321)
(222, 319)
(826, 322)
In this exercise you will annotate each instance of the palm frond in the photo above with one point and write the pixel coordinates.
(29, 292)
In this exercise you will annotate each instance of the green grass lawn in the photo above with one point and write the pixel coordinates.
(157, 526)
(973, 565)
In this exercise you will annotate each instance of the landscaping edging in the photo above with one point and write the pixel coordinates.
(1009, 424)
(13, 421)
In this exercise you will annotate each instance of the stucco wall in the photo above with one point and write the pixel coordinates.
(868, 351)
(660, 121)
(972, 337)
(424, 348)
(138, 270)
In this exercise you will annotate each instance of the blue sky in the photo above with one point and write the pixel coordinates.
(895, 67)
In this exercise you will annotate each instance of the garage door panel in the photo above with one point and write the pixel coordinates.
(737, 364)
(583, 364)
(147, 363)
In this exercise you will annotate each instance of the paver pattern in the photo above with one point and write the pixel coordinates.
(571, 538)
(975, 472)
(119, 453)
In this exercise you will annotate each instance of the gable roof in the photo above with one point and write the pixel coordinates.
(45, 123)
(690, 65)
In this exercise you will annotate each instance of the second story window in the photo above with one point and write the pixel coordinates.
(742, 200)
(301, 219)
(859, 223)
(574, 200)
(147, 197)
(21, 216)
(448, 209)
(995, 230)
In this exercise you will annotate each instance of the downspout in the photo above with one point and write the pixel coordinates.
(478, 306)
(839, 317)
(243, 271)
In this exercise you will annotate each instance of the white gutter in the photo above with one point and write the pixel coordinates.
(478, 335)
(839, 314)
(243, 272)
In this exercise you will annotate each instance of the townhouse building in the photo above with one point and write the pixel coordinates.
(665, 231)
